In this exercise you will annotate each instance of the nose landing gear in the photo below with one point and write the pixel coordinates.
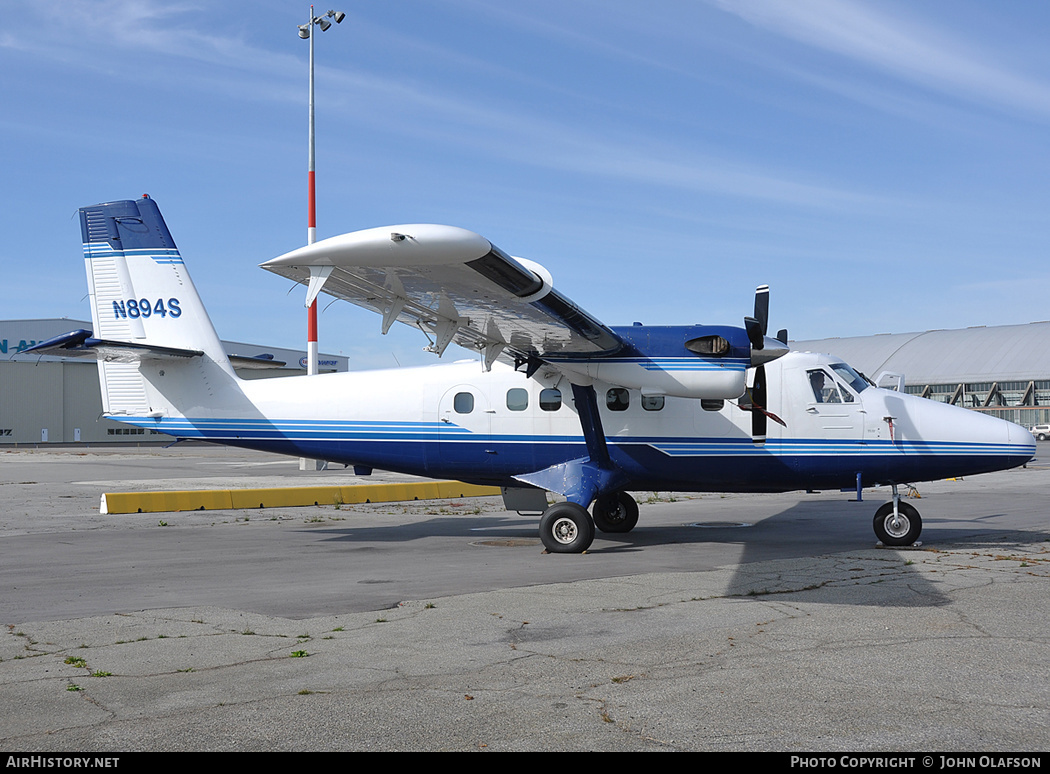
(897, 523)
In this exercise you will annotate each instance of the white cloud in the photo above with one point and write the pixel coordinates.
(902, 47)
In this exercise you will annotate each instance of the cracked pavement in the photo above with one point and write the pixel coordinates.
(941, 647)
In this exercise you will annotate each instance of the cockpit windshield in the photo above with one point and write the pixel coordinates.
(856, 382)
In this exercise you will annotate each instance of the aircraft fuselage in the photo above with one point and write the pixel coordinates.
(458, 421)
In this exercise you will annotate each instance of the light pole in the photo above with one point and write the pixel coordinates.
(306, 32)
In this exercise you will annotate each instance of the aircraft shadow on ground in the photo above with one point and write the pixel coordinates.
(483, 526)
(818, 530)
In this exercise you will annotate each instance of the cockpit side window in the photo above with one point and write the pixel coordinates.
(824, 387)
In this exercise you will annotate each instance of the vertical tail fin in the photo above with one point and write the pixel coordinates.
(141, 293)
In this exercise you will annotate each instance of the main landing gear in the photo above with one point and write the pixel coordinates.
(897, 523)
(617, 512)
(567, 528)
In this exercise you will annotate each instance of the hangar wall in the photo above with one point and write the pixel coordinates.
(57, 402)
(46, 399)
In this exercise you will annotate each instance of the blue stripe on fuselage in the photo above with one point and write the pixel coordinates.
(679, 464)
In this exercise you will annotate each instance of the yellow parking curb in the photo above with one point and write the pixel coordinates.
(224, 499)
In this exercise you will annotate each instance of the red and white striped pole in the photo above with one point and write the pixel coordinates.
(311, 218)
(308, 31)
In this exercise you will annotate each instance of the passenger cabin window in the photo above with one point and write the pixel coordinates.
(712, 404)
(653, 402)
(517, 399)
(550, 399)
(617, 399)
(463, 403)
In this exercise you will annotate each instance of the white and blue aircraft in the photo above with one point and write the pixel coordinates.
(557, 401)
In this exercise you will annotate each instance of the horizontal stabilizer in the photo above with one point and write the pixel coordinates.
(79, 343)
(256, 362)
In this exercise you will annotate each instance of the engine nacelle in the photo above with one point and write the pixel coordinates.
(697, 361)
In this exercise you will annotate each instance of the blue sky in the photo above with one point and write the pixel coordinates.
(882, 165)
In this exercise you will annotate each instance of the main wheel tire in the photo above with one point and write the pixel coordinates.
(902, 530)
(615, 513)
(566, 528)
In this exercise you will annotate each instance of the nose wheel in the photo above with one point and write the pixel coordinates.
(900, 527)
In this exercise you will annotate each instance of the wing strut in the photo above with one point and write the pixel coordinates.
(593, 432)
(584, 479)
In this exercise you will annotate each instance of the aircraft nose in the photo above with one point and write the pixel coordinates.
(1021, 435)
(992, 430)
(979, 443)
(1009, 440)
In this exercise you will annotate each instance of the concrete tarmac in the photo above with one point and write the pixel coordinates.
(723, 622)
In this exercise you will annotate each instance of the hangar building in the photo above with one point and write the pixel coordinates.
(1002, 370)
(47, 399)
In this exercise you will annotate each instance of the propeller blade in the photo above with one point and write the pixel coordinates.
(763, 350)
(754, 332)
(758, 413)
(756, 326)
(762, 307)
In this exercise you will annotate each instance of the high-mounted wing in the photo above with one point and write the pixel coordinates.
(454, 285)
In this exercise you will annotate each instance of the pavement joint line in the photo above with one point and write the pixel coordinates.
(285, 497)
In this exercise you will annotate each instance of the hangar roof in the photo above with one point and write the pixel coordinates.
(981, 354)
